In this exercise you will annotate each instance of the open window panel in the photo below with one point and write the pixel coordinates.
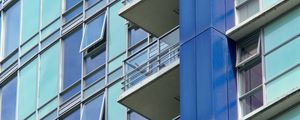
(94, 31)
(93, 109)
(248, 49)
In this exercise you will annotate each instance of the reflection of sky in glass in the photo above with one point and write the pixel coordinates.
(95, 60)
(135, 116)
(93, 31)
(9, 93)
(92, 109)
(137, 35)
(73, 116)
(71, 3)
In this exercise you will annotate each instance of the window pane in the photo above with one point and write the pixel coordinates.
(135, 116)
(282, 59)
(251, 78)
(116, 111)
(71, 3)
(9, 94)
(93, 31)
(93, 6)
(283, 85)
(51, 9)
(116, 63)
(12, 25)
(48, 108)
(95, 60)
(116, 44)
(49, 74)
(75, 115)
(30, 18)
(136, 35)
(50, 29)
(287, 24)
(92, 2)
(70, 93)
(72, 58)
(252, 102)
(73, 13)
(92, 109)
(95, 76)
(248, 9)
(28, 89)
(27, 46)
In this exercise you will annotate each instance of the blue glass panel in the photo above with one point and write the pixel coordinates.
(70, 93)
(72, 58)
(9, 94)
(73, 116)
(71, 3)
(92, 2)
(72, 14)
(95, 60)
(92, 109)
(93, 31)
(136, 35)
(135, 116)
(95, 76)
(50, 116)
(12, 25)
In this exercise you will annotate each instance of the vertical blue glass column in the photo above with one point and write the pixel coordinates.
(207, 75)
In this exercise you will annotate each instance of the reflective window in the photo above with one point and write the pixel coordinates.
(97, 75)
(9, 94)
(135, 116)
(75, 115)
(71, 3)
(247, 9)
(94, 31)
(93, 109)
(73, 9)
(250, 76)
(72, 58)
(49, 74)
(28, 89)
(96, 58)
(89, 3)
(30, 18)
(136, 35)
(12, 28)
(51, 10)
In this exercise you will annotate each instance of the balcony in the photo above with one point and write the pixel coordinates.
(154, 16)
(151, 86)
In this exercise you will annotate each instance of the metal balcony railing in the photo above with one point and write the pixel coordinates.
(155, 61)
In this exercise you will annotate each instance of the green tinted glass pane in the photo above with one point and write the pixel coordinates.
(51, 9)
(116, 63)
(27, 46)
(268, 3)
(292, 114)
(275, 65)
(115, 110)
(50, 29)
(30, 18)
(48, 108)
(288, 24)
(116, 25)
(32, 117)
(27, 89)
(49, 74)
(283, 85)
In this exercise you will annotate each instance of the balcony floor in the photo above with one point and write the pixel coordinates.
(156, 97)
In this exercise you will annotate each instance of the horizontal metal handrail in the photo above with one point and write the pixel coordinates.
(151, 66)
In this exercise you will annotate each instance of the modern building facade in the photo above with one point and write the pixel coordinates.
(149, 60)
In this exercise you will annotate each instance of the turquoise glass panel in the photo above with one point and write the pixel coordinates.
(292, 114)
(115, 110)
(28, 89)
(48, 108)
(116, 63)
(49, 74)
(51, 9)
(30, 18)
(274, 62)
(288, 24)
(283, 85)
(117, 43)
(268, 3)
(32, 117)
(27, 46)
(50, 29)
